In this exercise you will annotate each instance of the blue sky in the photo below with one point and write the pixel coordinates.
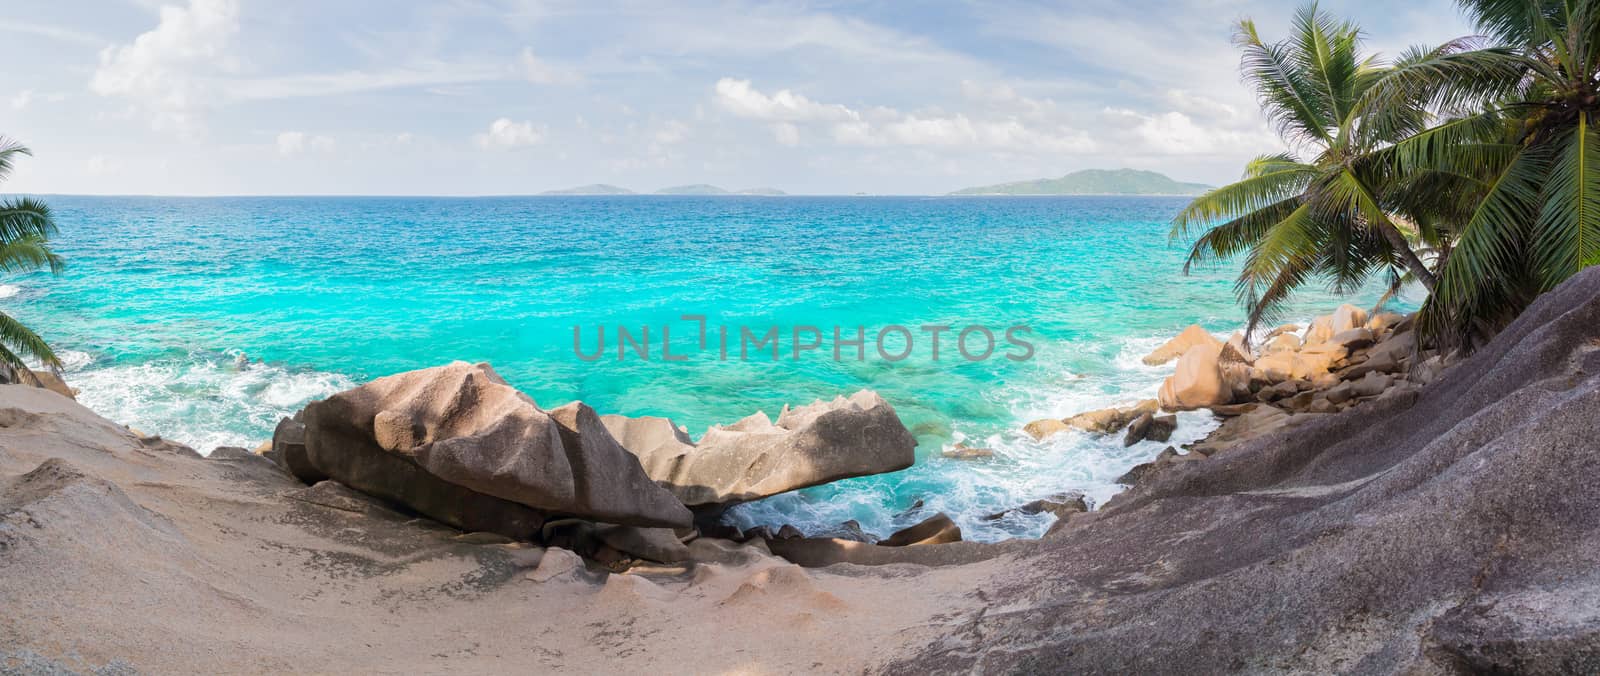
(471, 97)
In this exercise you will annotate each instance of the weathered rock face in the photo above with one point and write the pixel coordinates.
(1348, 317)
(1454, 529)
(458, 444)
(1198, 381)
(1178, 346)
(756, 458)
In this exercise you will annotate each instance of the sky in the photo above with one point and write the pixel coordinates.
(494, 97)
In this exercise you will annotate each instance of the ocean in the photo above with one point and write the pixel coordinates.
(205, 320)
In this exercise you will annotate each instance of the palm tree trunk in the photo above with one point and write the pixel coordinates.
(1413, 262)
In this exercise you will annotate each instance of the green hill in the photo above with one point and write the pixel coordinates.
(1094, 182)
(595, 189)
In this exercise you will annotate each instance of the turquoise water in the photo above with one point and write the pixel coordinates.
(205, 320)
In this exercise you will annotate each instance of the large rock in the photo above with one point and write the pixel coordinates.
(1348, 317)
(458, 444)
(1450, 530)
(1198, 381)
(756, 457)
(1283, 342)
(1320, 331)
(1175, 348)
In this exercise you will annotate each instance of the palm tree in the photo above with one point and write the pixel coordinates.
(25, 229)
(1326, 210)
(1518, 118)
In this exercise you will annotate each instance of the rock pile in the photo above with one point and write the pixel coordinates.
(459, 445)
(1298, 373)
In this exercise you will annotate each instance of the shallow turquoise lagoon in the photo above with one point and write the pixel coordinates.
(205, 320)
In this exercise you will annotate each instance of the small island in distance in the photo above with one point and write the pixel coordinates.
(1094, 182)
(695, 189)
(1086, 182)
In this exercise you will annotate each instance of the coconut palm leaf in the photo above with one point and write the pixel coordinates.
(15, 335)
(26, 226)
(1567, 235)
(28, 254)
(10, 152)
(25, 217)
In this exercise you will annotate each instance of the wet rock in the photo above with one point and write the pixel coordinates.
(1061, 505)
(849, 530)
(1150, 427)
(965, 452)
(1042, 429)
(938, 529)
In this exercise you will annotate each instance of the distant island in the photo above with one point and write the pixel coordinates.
(695, 189)
(593, 189)
(1094, 182)
(705, 189)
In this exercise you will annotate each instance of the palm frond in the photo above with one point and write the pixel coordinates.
(1287, 96)
(28, 254)
(1284, 180)
(26, 217)
(1567, 235)
(14, 335)
(10, 150)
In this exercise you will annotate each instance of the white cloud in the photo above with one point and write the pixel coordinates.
(743, 100)
(158, 70)
(539, 71)
(504, 133)
(1176, 133)
(291, 143)
(22, 99)
(884, 126)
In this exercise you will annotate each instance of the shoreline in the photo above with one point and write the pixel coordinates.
(140, 545)
(1235, 422)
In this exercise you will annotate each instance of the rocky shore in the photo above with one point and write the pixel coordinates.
(1363, 507)
(1296, 375)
